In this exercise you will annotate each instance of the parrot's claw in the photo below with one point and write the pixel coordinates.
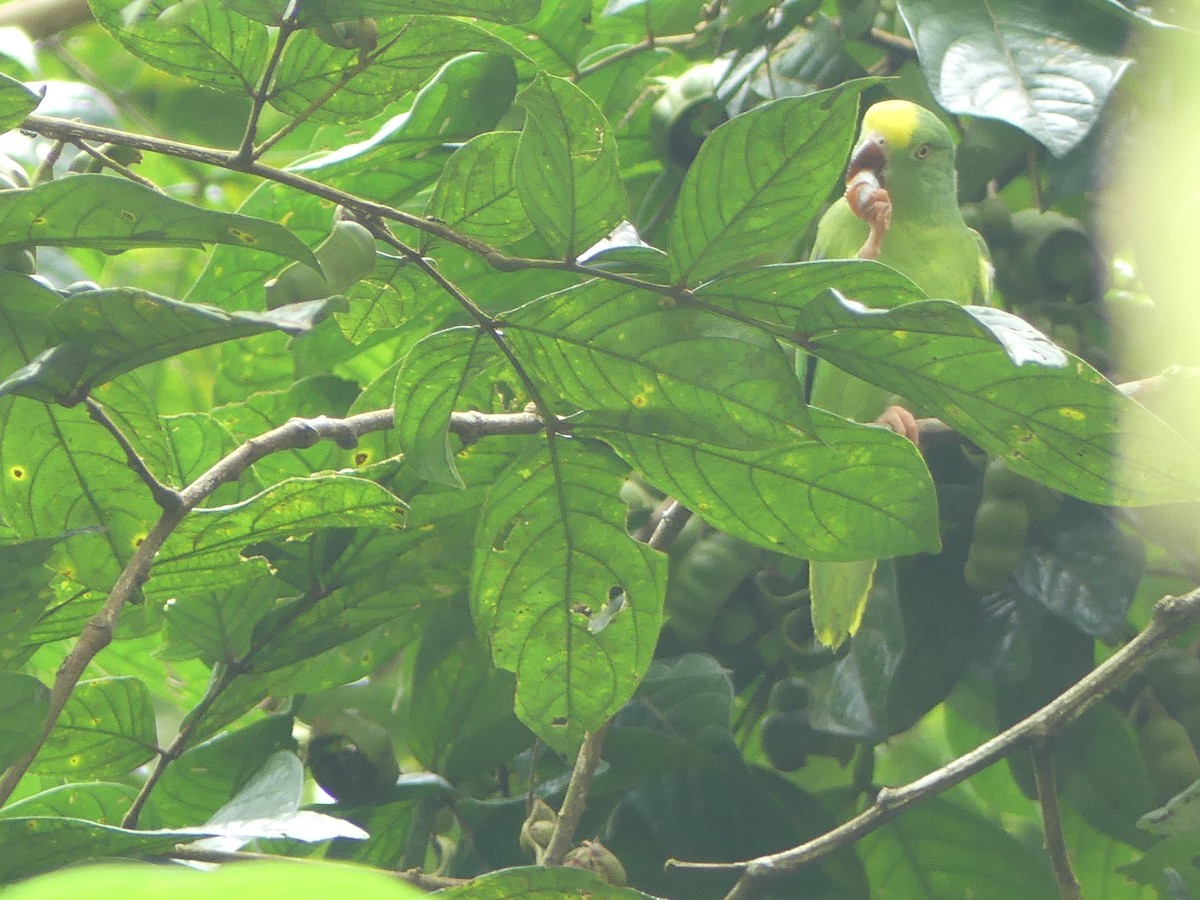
(901, 421)
(870, 202)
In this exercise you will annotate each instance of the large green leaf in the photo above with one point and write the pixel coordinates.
(759, 180)
(848, 492)
(336, 85)
(16, 102)
(219, 626)
(106, 728)
(553, 39)
(102, 212)
(204, 552)
(201, 41)
(563, 596)
(97, 801)
(477, 193)
(614, 349)
(1004, 385)
(566, 167)
(111, 332)
(24, 703)
(23, 593)
(1047, 69)
(25, 311)
(492, 10)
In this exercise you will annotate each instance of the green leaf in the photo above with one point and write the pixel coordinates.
(552, 559)
(102, 212)
(758, 181)
(25, 311)
(538, 883)
(197, 441)
(940, 843)
(849, 492)
(1005, 386)
(68, 841)
(428, 386)
(204, 552)
(614, 349)
(204, 778)
(207, 43)
(106, 728)
(492, 10)
(775, 294)
(1047, 70)
(566, 167)
(98, 801)
(554, 38)
(330, 84)
(477, 193)
(16, 102)
(111, 332)
(24, 704)
(23, 593)
(398, 295)
(219, 626)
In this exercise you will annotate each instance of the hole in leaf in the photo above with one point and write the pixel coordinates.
(559, 721)
(613, 605)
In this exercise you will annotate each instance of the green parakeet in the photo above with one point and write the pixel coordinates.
(902, 179)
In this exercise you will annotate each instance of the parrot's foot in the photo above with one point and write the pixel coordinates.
(870, 202)
(901, 421)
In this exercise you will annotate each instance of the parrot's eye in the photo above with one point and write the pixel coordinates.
(922, 151)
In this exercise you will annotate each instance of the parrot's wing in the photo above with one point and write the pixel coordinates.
(987, 272)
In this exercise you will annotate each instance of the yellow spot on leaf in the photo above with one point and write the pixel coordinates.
(244, 236)
(1070, 412)
(17, 472)
(129, 214)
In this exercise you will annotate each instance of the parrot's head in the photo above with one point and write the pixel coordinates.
(911, 152)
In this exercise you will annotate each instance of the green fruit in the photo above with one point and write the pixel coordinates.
(1174, 674)
(788, 695)
(595, 857)
(787, 739)
(687, 113)
(351, 757)
(347, 255)
(997, 542)
(79, 287)
(999, 481)
(538, 828)
(351, 34)
(735, 624)
(1169, 757)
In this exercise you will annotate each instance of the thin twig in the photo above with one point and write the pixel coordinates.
(649, 43)
(258, 100)
(166, 497)
(1172, 617)
(293, 435)
(1042, 751)
(576, 797)
(120, 168)
(670, 522)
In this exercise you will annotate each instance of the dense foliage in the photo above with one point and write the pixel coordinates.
(400, 397)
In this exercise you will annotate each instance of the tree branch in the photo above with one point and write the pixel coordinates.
(576, 797)
(1172, 617)
(1042, 751)
(41, 18)
(293, 435)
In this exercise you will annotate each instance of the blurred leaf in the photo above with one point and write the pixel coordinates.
(205, 777)
(551, 555)
(615, 350)
(103, 212)
(1007, 387)
(1047, 70)
(940, 843)
(329, 84)
(758, 181)
(566, 167)
(537, 883)
(492, 10)
(16, 102)
(106, 728)
(850, 492)
(24, 705)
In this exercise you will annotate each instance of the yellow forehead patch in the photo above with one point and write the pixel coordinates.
(894, 120)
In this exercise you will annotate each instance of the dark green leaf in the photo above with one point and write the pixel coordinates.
(330, 84)
(759, 180)
(106, 728)
(477, 193)
(204, 778)
(1004, 385)
(200, 41)
(551, 557)
(24, 703)
(16, 102)
(428, 387)
(625, 353)
(1047, 70)
(850, 492)
(566, 167)
(103, 212)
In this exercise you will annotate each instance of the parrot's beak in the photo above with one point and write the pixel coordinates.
(868, 156)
